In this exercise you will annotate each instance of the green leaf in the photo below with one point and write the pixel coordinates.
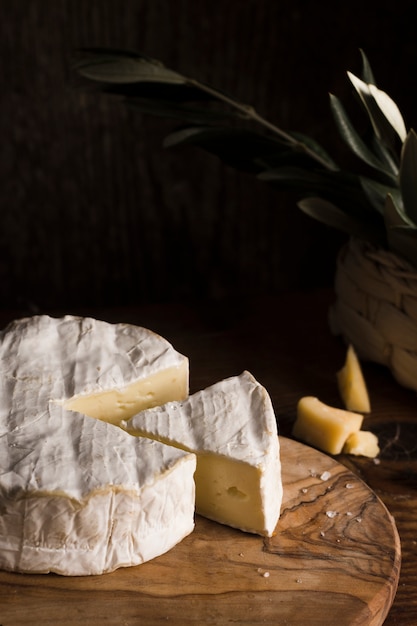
(390, 111)
(408, 176)
(315, 147)
(240, 148)
(401, 234)
(338, 187)
(390, 159)
(331, 215)
(352, 138)
(367, 73)
(394, 214)
(300, 179)
(113, 66)
(179, 111)
(378, 192)
(382, 111)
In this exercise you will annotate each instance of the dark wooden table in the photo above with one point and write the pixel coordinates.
(286, 343)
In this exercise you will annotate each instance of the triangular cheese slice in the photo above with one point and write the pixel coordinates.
(79, 496)
(231, 427)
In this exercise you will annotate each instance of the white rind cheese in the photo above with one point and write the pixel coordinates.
(77, 495)
(107, 370)
(231, 427)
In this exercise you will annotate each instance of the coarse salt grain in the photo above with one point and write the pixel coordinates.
(325, 476)
(331, 514)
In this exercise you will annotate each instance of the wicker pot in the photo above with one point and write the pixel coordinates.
(376, 308)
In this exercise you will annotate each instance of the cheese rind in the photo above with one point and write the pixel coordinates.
(137, 503)
(352, 386)
(323, 426)
(95, 367)
(231, 427)
(79, 496)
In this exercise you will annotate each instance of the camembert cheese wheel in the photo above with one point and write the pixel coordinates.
(79, 496)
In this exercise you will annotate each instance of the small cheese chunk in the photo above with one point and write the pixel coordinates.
(352, 386)
(362, 443)
(323, 426)
(231, 427)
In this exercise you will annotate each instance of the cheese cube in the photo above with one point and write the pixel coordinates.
(352, 384)
(362, 443)
(323, 426)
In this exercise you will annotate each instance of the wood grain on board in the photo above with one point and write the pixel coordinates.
(334, 559)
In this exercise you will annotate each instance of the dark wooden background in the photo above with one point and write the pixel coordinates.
(93, 211)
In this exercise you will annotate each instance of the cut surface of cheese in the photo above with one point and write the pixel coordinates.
(116, 405)
(80, 496)
(362, 443)
(323, 426)
(352, 386)
(231, 427)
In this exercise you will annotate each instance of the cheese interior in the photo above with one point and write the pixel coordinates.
(352, 386)
(323, 426)
(362, 443)
(115, 405)
(231, 427)
(229, 492)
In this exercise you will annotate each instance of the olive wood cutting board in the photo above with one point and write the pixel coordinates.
(334, 560)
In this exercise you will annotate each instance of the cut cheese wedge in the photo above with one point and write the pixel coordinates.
(231, 427)
(78, 495)
(323, 426)
(352, 386)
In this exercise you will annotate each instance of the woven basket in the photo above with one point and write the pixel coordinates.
(376, 308)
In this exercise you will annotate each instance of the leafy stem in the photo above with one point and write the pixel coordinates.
(249, 112)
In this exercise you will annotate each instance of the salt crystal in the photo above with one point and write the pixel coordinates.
(325, 476)
(266, 574)
(349, 486)
(331, 514)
